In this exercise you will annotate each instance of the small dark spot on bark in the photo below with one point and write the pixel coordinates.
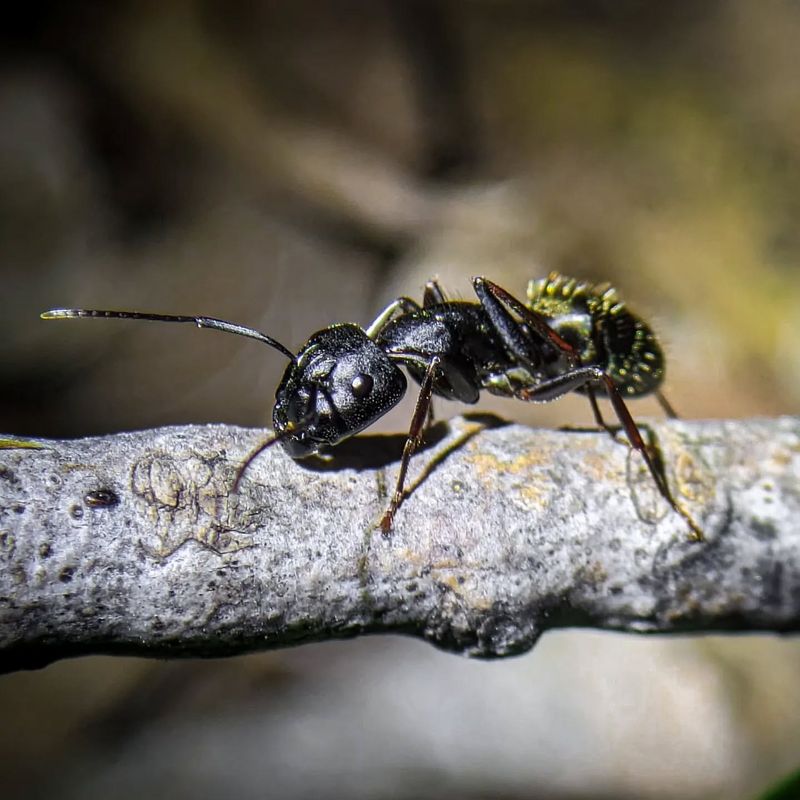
(101, 498)
(45, 550)
(460, 579)
(19, 509)
(412, 586)
(158, 624)
(615, 590)
(211, 585)
(614, 545)
(76, 512)
(66, 574)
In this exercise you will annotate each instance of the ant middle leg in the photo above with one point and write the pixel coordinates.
(433, 294)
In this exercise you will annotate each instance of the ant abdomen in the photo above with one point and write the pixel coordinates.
(593, 319)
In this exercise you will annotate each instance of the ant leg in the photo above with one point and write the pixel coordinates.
(582, 376)
(519, 342)
(433, 294)
(579, 378)
(656, 467)
(403, 304)
(666, 405)
(412, 442)
(663, 402)
(598, 415)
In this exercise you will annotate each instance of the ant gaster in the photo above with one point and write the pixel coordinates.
(570, 336)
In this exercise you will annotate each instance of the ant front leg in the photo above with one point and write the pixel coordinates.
(404, 305)
(412, 442)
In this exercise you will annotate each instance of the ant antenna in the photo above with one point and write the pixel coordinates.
(201, 322)
(254, 454)
(291, 429)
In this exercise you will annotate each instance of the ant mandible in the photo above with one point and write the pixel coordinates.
(570, 336)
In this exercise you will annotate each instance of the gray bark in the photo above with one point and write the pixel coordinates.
(134, 543)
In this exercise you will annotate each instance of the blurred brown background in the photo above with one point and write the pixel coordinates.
(288, 165)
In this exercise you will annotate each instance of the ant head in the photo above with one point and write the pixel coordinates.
(339, 383)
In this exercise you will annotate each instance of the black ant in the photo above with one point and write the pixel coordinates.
(570, 336)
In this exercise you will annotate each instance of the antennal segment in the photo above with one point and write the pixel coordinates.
(201, 322)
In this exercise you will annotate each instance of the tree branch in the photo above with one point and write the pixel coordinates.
(134, 544)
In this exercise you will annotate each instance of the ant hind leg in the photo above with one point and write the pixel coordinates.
(582, 377)
(666, 405)
(611, 430)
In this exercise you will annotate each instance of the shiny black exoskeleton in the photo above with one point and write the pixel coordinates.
(569, 336)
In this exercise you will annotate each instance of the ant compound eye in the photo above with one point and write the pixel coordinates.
(362, 385)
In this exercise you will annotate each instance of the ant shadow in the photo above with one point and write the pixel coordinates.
(375, 451)
(615, 432)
